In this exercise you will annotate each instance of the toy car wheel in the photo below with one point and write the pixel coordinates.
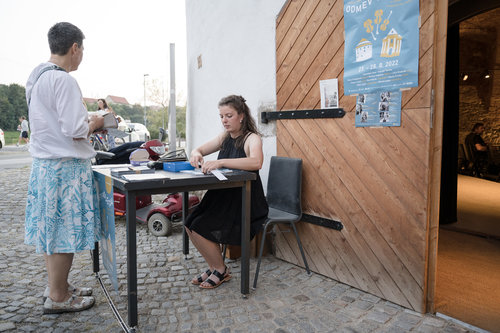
(159, 225)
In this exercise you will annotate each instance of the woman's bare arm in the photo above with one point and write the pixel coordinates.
(253, 161)
(209, 147)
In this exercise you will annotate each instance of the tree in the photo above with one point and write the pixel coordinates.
(134, 113)
(158, 116)
(12, 105)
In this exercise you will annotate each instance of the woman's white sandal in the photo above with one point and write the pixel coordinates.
(73, 304)
(77, 291)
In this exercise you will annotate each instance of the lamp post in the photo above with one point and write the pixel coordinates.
(145, 122)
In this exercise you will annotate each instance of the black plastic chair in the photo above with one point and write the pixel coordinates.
(284, 187)
(470, 151)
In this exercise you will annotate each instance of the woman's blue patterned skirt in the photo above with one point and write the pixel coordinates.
(62, 210)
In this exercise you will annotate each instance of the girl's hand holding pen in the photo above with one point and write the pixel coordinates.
(210, 165)
(196, 160)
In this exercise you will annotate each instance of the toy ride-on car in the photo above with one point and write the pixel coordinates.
(159, 217)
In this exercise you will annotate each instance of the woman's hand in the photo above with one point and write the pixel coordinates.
(211, 165)
(95, 122)
(196, 159)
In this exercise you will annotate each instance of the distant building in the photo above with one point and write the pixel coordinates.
(116, 100)
(109, 99)
(89, 101)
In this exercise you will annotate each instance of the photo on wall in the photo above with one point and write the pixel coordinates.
(329, 91)
(378, 109)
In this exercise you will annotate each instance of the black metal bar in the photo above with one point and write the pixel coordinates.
(321, 221)
(185, 237)
(302, 114)
(245, 238)
(131, 259)
(115, 311)
(95, 257)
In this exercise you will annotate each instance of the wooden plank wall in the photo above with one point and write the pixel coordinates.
(374, 180)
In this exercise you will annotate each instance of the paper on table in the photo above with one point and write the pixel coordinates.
(144, 176)
(218, 174)
(196, 172)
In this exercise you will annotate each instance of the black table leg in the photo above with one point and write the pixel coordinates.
(185, 209)
(131, 260)
(245, 238)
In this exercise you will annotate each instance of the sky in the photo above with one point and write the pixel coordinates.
(123, 41)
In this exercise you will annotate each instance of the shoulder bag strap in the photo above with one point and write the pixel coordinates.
(48, 68)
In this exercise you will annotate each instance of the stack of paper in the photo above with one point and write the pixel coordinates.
(117, 172)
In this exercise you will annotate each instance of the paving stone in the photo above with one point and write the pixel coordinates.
(379, 317)
(7, 326)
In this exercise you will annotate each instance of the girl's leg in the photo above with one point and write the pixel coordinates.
(209, 250)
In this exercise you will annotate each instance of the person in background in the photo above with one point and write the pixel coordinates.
(103, 106)
(217, 219)
(24, 129)
(479, 150)
(62, 212)
(477, 146)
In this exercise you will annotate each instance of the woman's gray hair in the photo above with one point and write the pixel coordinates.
(62, 35)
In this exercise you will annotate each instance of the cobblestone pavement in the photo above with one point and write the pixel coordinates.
(286, 300)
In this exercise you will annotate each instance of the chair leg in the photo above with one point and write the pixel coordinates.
(300, 248)
(224, 253)
(260, 255)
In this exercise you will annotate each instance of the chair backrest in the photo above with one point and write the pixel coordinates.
(461, 152)
(284, 184)
(470, 150)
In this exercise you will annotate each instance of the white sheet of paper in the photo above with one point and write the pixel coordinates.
(218, 174)
(144, 176)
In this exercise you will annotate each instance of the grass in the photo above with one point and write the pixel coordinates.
(11, 137)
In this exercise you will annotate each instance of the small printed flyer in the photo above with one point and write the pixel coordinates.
(378, 109)
(329, 91)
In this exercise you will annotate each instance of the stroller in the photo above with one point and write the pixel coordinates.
(159, 217)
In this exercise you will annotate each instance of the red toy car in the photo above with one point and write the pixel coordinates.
(159, 217)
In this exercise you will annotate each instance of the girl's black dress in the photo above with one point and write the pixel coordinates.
(218, 216)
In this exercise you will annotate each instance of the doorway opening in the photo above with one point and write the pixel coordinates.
(468, 264)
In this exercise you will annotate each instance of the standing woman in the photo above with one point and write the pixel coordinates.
(62, 214)
(217, 219)
(103, 106)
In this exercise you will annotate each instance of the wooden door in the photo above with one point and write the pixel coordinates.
(379, 182)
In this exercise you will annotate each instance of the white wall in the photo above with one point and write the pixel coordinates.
(235, 40)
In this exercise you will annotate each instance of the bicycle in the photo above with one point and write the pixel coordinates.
(97, 142)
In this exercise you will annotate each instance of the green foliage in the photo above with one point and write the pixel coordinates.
(156, 117)
(134, 113)
(91, 107)
(181, 121)
(11, 137)
(12, 106)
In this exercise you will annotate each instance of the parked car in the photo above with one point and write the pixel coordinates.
(128, 134)
(2, 139)
(141, 131)
(133, 132)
